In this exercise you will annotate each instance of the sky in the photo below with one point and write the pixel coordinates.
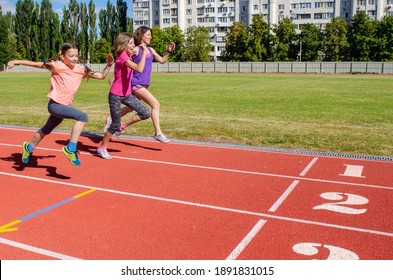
(57, 6)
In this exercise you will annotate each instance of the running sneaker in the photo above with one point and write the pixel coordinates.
(72, 156)
(162, 138)
(103, 153)
(26, 153)
(108, 123)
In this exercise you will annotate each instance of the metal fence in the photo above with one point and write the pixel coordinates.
(276, 67)
(252, 67)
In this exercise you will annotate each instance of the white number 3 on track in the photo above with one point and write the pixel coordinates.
(333, 252)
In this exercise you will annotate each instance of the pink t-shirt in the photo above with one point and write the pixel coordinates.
(121, 86)
(64, 82)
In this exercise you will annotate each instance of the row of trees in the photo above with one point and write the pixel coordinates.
(363, 39)
(36, 33)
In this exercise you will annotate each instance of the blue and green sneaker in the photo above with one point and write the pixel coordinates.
(72, 156)
(26, 153)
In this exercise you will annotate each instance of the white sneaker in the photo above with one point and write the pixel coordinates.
(162, 138)
(108, 123)
(103, 153)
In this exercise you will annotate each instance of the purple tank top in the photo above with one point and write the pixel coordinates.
(143, 78)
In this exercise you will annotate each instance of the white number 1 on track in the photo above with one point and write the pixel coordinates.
(353, 171)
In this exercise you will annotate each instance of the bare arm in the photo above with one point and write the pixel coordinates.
(12, 63)
(164, 58)
(141, 65)
(102, 74)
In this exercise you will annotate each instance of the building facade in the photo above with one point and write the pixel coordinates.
(219, 15)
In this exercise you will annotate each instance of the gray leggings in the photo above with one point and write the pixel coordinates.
(131, 101)
(58, 112)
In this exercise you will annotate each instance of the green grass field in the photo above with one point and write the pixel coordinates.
(332, 113)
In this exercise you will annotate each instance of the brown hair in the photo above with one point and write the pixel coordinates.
(64, 48)
(139, 32)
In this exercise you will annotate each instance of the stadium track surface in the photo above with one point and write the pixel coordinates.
(191, 201)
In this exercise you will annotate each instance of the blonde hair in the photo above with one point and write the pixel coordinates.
(121, 42)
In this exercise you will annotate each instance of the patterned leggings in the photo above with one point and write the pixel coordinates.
(131, 101)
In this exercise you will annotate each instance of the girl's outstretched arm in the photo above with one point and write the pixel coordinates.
(102, 74)
(12, 63)
(164, 58)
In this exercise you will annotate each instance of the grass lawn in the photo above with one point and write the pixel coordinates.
(332, 113)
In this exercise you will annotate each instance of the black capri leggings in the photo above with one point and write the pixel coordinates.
(58, 112)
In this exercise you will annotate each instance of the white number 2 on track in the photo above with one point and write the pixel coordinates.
(345, 204)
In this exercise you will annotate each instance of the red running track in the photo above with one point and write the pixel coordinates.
(183, 201)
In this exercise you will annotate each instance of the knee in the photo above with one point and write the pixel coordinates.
(83, 118)
(145, 115)
(114, 127)
(156, 105)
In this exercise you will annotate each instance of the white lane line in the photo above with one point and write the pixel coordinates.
(246, 240)
(219, 208)
(308, 167)
(36, 250)
(229, 170)
(283, 196)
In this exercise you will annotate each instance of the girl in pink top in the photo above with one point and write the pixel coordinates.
(66, 77)
(120, 91)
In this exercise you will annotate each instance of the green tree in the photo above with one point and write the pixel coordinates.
(174, 34)
(5, 38)
(35, 50)
(259, 39)
(83, 33)
(383, 50)
(334, 43)
(286, 42)
(23, 27)
(45, 26)
(311, 42)
(163, 37)
(55, 36)
(92, 29)
(236, 42)
(109, 23)
(65, 25)
(122, 14)
(101, 50)
(197, 45)
(360, 38)
(74, 9)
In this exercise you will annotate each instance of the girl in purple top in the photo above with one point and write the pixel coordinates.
(120, 91)
(141, 81)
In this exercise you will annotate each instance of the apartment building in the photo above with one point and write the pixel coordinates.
(219, 15)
